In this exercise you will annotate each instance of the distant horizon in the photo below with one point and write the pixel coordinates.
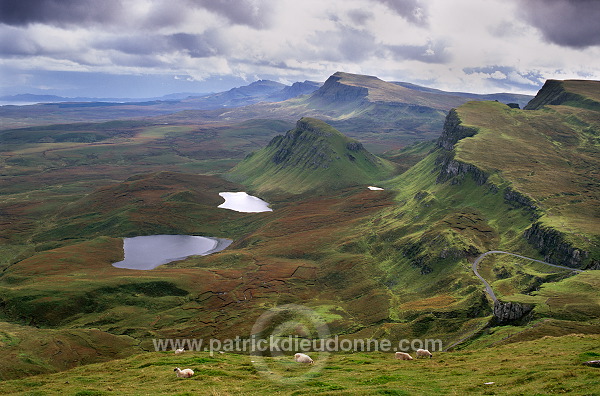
(4, 99)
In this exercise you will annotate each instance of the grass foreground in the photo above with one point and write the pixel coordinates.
(545, 366)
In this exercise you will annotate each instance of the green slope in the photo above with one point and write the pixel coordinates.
(500, 179)
(546, 366)
(313, 156)
(550, 157)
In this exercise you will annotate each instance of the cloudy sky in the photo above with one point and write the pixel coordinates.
(144, 48)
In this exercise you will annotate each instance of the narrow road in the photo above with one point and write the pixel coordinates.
(488, 288)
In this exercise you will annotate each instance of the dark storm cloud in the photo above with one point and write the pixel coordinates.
(360, 17)
(412, 10)
(195, 45)
(240, 12)
(59, 12)
(13, 43)
(428, 53)
(570, 23)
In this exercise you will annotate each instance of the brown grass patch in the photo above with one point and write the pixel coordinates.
(439, 301)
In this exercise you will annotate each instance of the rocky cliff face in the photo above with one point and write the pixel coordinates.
(506, 312)
(454, 131)
(555, 249)
(520, 201)
(551, 243)
(334, 91)
(449, 168)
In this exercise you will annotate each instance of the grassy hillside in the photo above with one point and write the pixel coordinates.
(313, 156)
(546, 366)
(550, 155)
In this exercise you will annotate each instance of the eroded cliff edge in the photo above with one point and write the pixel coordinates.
(551, 243)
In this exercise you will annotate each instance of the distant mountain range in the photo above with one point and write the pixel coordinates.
(258, 91)
(36, 98)
(261, 90)
(382, 115)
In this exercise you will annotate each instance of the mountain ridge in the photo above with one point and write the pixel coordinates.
(554, 159)
(312, 156)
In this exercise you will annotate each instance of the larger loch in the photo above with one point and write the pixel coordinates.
(149, 252)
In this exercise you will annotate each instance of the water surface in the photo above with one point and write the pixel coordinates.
(242, 202)
(148, 252)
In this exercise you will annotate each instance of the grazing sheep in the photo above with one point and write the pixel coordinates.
(302, 358)
(403, 356)
(185, 373)
(178, 351)
(423, 353)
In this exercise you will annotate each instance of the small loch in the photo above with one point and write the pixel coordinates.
(242, 202)
(148, 252)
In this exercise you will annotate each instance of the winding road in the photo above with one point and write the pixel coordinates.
(488, 288)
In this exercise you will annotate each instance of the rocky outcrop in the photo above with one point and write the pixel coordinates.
(354, 146)
(454, 131)
(312, 156)
(556, 250)
(510, 311)
(520, 201)
(304, 146)
(451, 169)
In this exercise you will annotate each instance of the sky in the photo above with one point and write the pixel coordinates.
(148, 48)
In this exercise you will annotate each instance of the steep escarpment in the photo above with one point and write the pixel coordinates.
(555, 248)
(577, 93)
(312, 156)
(454, 131)
(544, 162)
(334, 90)
(449, 167)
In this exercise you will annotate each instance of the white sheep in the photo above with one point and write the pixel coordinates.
(302, 358)
(423, 353)
(179, 350)
(403, 356)
(185, 373)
